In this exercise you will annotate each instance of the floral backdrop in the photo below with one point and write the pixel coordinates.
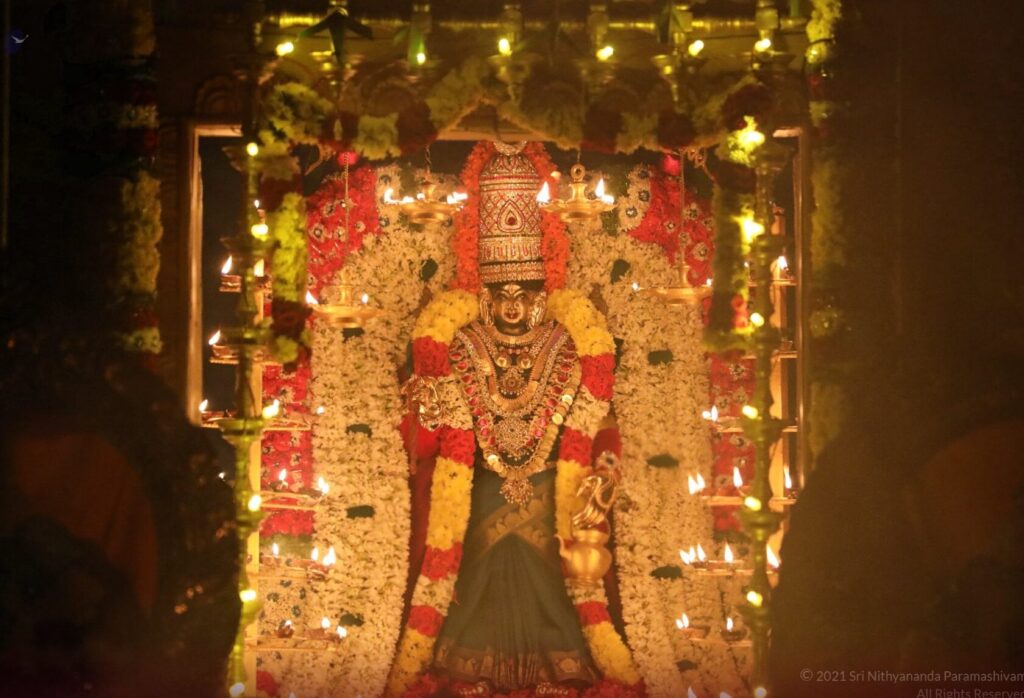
(350, 391)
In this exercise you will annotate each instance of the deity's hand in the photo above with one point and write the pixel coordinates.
(421, 395)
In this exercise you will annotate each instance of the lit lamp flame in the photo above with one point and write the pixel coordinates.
(686, 557)
(701, 556)
(729, 624)
(710, 415)
(683, 622)
(695, 48)
(226, 267)
(456, 197)
(283, 475)
(321, 409)
(599, 192)
(365, 298)
(544, 195)
(342, 632)
(259, 268)
(737, 477)
(214, 338)
(728, 555)
(635, 286)
(275, 550)
(322, 485)
(690, 693)
(203, 406)
(272, 410)
(325, 622)
(787, 479)
(773, 559)
(315, 555)
(781, 263)
(311, 299)
(330, 558)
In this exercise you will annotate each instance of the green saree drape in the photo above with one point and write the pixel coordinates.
(512, 622)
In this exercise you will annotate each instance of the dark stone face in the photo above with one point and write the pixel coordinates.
(511, 304)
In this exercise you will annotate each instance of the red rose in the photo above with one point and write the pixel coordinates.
(598, 375)
(593, 612)
(458, 444)
(430, 357)
(438, 564)
(425, 620)
(576, 446)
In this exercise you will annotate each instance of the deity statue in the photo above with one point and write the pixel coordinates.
(516, 398)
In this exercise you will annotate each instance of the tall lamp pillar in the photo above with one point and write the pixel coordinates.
(764, 430)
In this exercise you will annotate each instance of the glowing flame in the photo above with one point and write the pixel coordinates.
(683, 622)
(708, 282)
(504, 46)
(787, 480)
(311, 299)
(700, 482)
(737, 477)
(330, 558)
(691, 485)
(275, 550)
(762, 45)
(342, 632)
(773, 559)
(315, 555)
(226, 267)
(259, 269)
(283, 475)
(322, 485)
(690, 693)
(457, 197)
(781, 264)
(389, 196)
(255, 203)
(701, 555)
(214, 338)
(272, 410)
(710, 415)
(727, 555)
(695, 48)
(365, 298)
(728, 624)
(544, 195)
(599, 189)
(203, 405)
(325, 622)
(686, 557)
(635, 286)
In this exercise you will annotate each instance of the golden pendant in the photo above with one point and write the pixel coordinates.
(517, 490)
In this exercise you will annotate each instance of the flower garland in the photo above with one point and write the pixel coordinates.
(299, 114)
(828, 318)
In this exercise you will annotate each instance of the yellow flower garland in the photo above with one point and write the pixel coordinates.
(445, 315)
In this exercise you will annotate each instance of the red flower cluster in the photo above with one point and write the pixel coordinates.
(415, 129)
(425, 619)
(329, 242)
(599, 375)
(266, 683)
(430, 357)
(600, 128)
(438, 564)
(675, 131)
(576, 446)
(426, 440)
(458, 444)
(593, 612)
(287, 523)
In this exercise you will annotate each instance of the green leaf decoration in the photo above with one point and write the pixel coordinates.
(668, 572)
(428, 269)
(364, 511)
(663, 460)
(359, 429)
(351, 620)
(619, 269)
(660, 356)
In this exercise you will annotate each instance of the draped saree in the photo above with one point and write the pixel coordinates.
(512, 622)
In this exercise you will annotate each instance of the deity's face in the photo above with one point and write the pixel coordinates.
(515, 307)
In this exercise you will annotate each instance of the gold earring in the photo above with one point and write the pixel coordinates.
(540, 306)
(486, 313)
